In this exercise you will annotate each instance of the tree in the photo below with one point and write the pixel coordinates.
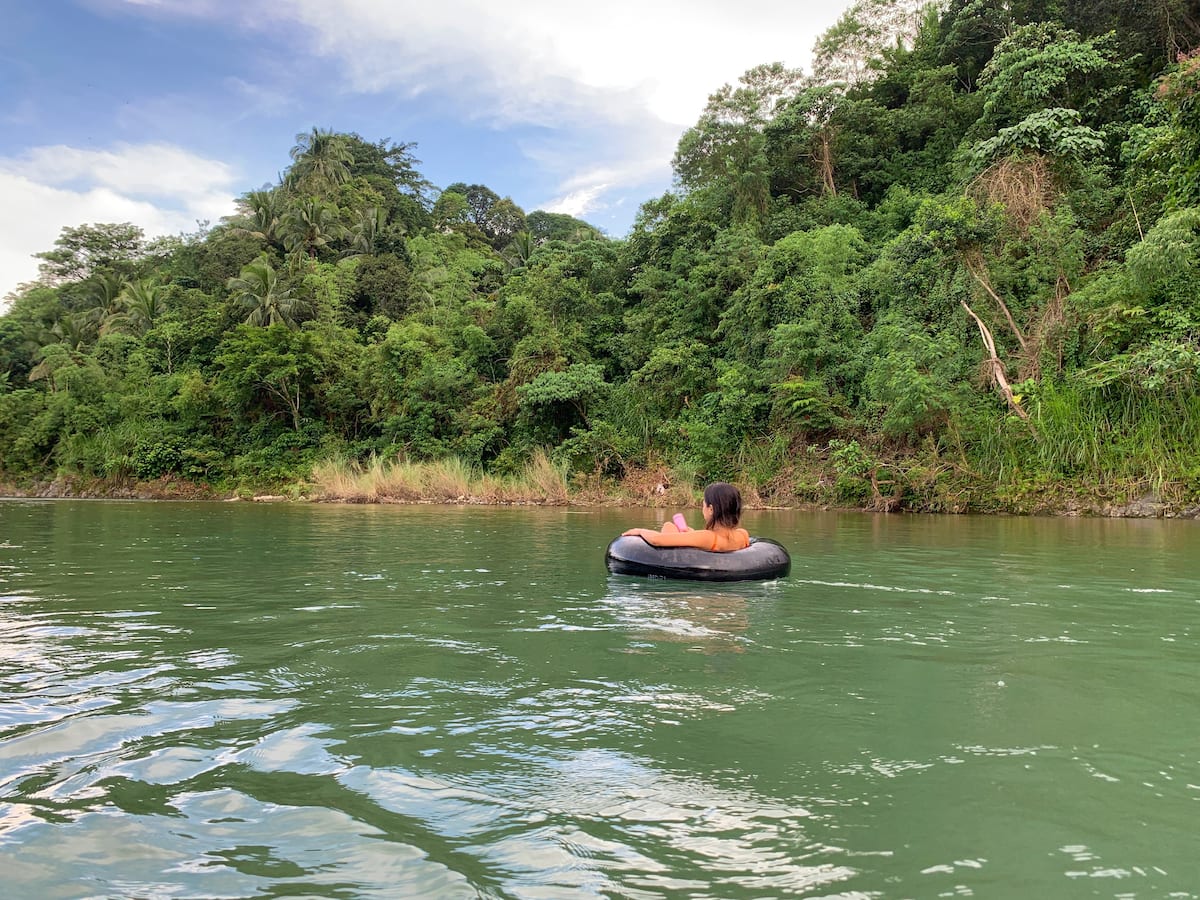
(272, 365)
(74, 332)
(366, 231)
(1152, 33)
(57, 359)
(88, 250)
(445, 271)
(554, 402)
(384, 162)
(967, 32)
(103, 296)
(1046, 93)
(520, 250)
(450, 209)
(144, 302)
(498, 218)
(320, 161)
(261, 211)
(421, 390)
(1056, 133)
(1046, 66)
(727, 145)
(847, 52)
(802, 137)
(383, 287)
(504, 222)
(1179, 89)
(808, 276)
(267, 302)
(480, 200)
(310, 226)
(548, 226)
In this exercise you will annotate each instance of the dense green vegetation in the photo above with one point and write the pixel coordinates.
(956, 271)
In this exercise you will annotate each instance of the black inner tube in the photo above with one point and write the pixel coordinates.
(764, 559)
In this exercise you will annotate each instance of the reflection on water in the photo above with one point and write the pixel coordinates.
(703, 617)
(217, 701)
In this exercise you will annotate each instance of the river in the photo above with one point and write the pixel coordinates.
(232, 700)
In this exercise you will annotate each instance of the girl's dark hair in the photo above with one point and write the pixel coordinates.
(726, 504)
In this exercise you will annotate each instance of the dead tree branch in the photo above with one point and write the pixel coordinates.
(999, 375)
(979, 272)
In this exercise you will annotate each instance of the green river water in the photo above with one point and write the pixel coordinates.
(245, 700)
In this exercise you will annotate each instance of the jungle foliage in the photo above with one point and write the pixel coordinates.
(957, 266)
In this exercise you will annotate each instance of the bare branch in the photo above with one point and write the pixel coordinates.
(997, 367)
(979, 273)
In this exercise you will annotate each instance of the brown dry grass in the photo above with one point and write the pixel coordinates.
(545, 479)
(1024, 186)
(443, 481)
(541, 482)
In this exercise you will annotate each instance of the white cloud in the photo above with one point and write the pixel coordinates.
(578, 203)
(526, 60)
(159, 187)
(632, 74)
(591, 172)
(585, 192)
(145, 170)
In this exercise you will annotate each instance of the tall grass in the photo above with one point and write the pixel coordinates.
(1114, 436)
(544, 478)
(449, 480)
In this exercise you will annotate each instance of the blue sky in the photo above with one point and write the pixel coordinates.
(160, 112)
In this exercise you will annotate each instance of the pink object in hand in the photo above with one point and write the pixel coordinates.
(680, 521)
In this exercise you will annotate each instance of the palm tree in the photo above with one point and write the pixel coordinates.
(520, 250)
(309, 226)
(53, 358)
(257, 289)
(372, 220)
(261, 211)
(74, 332)
(105, 298)
(145, 302)
(321, 159)
(64, 346)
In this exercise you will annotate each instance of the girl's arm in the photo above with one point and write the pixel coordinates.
(701, 539)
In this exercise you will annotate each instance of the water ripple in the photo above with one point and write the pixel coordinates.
(234, 701)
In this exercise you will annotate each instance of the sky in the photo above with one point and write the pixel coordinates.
(162, 112)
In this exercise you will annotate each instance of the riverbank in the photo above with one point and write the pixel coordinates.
(449, 485)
